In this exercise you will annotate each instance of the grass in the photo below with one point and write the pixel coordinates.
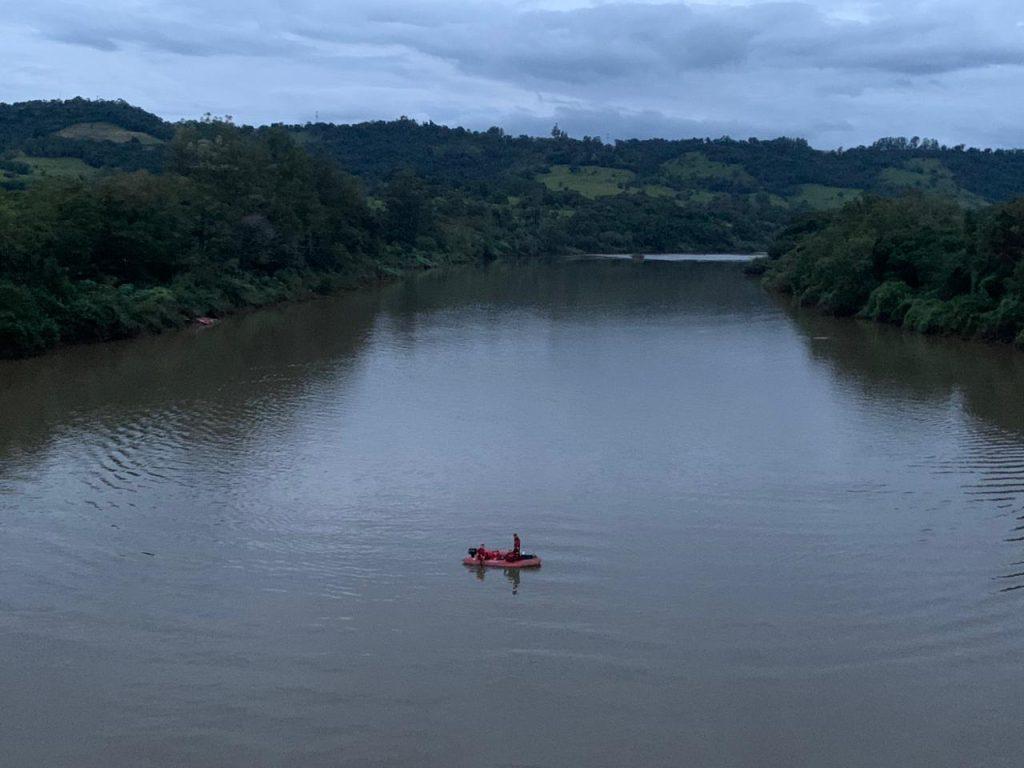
(699, 196)
(920, 173)
(591, 181)
(658, 190)
(773, 199)
(695, 166)
(106, 132)
(822, 198)
(61, 167)
(928, 175)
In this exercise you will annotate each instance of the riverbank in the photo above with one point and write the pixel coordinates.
(33, 323)
(730, 257)
(924, 264)
(237, 219)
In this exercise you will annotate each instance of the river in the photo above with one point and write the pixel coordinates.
(770, 538)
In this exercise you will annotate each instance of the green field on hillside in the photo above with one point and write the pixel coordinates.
(658, 190)
(46, 167)
(591, 181)
(929, 176)
(698, 196)
(695, 167)
(106, 132)
(822, 198)
(772, 199)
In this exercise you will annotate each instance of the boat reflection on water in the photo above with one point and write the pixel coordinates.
(514, 575)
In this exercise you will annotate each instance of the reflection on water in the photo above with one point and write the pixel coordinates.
(984, 382)
(769, 538)
(513, 575)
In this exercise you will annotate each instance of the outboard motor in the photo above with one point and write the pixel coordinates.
(472, 551)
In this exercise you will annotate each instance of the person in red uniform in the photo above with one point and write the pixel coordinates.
(482, 553)
(517, 549)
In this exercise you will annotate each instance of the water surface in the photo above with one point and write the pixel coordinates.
(769, 538)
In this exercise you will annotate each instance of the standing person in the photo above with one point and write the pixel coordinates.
(517, 549)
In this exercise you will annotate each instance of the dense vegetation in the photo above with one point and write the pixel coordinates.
(239, 219)
(921, 262)
(113, 221)
(118, 136)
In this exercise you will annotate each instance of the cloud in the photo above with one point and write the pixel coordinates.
(84, 37)
(837, 71)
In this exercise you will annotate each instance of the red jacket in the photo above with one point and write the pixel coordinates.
(516, 552)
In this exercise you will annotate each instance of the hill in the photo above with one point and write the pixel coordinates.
(746, 190)
(789, 172)
(69, 134)
(114, 221)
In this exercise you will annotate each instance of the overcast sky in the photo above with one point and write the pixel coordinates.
(838, 72)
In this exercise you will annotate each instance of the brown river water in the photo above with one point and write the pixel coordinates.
(770, 538)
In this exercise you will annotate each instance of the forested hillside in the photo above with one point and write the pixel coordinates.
(113, 221)
(77, 137)
(238, 219)
(920, 262)
(753, 184)
(789, 171)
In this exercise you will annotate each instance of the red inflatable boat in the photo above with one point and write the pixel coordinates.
(496, 559)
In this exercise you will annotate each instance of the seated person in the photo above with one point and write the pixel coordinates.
(482, 553)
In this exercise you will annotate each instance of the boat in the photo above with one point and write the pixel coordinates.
(524, 561)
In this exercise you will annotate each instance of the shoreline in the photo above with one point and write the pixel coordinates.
(305, 287)
(795, 304)
(302, 287)
(738, 258)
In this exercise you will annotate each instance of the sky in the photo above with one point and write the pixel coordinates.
(836, 72)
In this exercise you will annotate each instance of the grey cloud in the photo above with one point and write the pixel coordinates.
(84, 37)
(837, 71)
(158, 31)
(608, 41)
(639, 41)
(614, 41)
(914, 46)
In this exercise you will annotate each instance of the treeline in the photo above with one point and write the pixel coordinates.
(35, 119)
(919, 262)
(641, 224)
(113, 221)
(33, 128)
(202, 218)
(494, 162)
(240, 217)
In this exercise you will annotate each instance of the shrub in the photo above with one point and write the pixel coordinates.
(1004, 322)
(197, 297)
(928, 316)
(25, 326)
(961, 315)
(97, 313)
(155, 309)
(757, 266)
(889, 302)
